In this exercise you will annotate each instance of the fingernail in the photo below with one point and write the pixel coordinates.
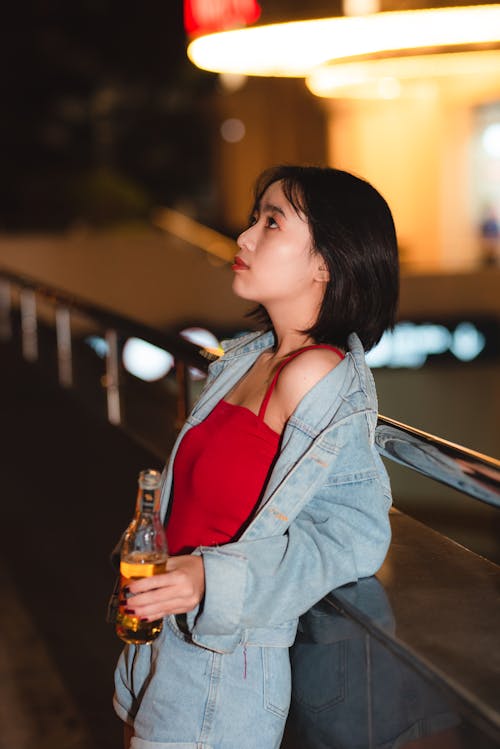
(129, 611)
(144, 620)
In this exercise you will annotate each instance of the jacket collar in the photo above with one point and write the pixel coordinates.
(254, 341)
(357, 353)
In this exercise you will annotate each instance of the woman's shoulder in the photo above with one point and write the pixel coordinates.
(302, 373)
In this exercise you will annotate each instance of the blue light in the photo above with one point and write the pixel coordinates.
(468, 342)
(409, 344)
(98, 345)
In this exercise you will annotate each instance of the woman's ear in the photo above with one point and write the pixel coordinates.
(322, 272)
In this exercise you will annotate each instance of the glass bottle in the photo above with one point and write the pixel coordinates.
(143, 553)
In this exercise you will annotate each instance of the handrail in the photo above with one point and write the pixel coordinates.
(464, 469)
(186, 353)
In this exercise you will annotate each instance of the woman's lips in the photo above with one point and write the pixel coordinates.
(239, 264)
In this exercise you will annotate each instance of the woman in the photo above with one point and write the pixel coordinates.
(275, 492)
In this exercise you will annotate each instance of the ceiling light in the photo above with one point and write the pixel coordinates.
(394, 76)
(295, 49)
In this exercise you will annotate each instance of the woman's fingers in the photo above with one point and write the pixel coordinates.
(156, 603)
(157, 611)
(177, 591)
(149, 583)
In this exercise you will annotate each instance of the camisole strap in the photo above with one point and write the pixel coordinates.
(270, 389)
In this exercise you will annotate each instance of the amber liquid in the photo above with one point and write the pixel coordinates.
(130, 628)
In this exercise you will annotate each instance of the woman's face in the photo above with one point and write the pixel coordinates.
(275, 262)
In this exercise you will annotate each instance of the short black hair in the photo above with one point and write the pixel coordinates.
(353, 230)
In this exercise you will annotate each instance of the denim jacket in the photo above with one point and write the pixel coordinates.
(323, 518)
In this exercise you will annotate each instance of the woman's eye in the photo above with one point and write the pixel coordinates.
(271, 223)
(252, 220)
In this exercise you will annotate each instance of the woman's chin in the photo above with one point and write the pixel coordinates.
(240, 291)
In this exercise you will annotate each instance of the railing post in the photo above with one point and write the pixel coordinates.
(5, 311)
(112, 379)
(64, 353)
(29, 326)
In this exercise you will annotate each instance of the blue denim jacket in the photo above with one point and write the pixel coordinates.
(323, 519)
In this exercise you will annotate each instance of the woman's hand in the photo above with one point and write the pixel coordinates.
(177, 591)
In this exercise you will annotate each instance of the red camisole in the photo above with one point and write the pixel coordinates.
(220, 472)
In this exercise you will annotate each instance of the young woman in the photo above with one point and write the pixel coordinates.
(274, 490)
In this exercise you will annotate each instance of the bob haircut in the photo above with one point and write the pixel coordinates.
(353, 230)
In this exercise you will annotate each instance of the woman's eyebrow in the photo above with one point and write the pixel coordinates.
(271, 208)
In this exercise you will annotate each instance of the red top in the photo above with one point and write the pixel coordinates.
(220, 472)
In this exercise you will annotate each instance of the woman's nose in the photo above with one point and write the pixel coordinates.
(244, 240)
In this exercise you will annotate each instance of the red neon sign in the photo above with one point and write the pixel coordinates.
(207, 16)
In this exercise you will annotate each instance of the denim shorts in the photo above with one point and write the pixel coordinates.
(178, 695)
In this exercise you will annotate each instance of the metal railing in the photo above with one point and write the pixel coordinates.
(116, 327)
(466, 470)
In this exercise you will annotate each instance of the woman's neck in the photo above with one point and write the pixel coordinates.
(289, 321)
(287, 341)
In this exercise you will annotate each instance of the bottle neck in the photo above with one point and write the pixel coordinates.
(148, 501)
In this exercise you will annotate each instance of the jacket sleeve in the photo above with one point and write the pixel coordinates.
(341, 535)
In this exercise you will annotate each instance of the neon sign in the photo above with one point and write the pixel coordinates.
(208, 16)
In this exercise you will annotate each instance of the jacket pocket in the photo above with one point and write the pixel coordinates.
(276, 672)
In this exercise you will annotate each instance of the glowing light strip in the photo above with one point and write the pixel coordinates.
(328, 80)
(197, 234)
(294, 49)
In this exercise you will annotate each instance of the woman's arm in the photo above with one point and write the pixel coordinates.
(272, 580)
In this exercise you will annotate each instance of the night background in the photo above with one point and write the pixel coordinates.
(103, 115)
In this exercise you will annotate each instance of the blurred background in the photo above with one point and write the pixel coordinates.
(127, 169)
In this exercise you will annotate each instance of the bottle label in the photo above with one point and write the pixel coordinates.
(147, 500)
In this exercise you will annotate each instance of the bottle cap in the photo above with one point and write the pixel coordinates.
(149, 479)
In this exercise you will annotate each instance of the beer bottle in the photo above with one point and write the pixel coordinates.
(143, 553)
